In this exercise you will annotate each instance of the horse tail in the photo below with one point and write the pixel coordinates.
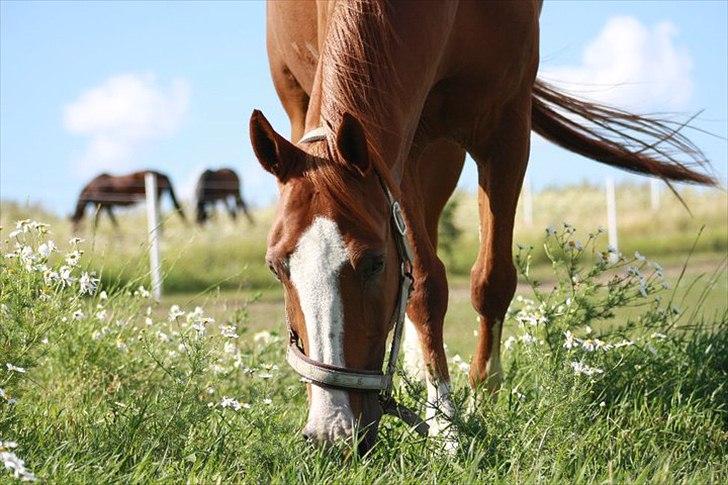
(641, 144)
(175, 203)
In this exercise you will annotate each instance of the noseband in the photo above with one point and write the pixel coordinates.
(326, 375)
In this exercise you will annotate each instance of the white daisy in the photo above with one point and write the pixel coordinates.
(14, 368)
(47, 248)
(228, 402)
(228, 331)
(88, 283)
(175, 312)
(73, 257)
(570, 341)
(65, 278)
(581, 368)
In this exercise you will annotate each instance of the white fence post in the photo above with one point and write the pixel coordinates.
(527, 203)
(150, 186)
(612, 217)
(655, 194)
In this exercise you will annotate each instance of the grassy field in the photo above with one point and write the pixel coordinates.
(231, 256)
(222, 266)
(110, 387)
(609, 376)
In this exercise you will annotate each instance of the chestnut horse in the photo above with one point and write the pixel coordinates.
(108, 191)
(387, 98)
(214, 185)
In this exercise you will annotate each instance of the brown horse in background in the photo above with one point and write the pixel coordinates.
(222, 184)
(106, 191)
(395, 94)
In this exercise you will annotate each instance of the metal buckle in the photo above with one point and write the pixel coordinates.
(405, 270)
(399, 218)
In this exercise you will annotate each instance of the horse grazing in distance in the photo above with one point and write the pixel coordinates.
(222, 184)
(106, 191)
(385, 99)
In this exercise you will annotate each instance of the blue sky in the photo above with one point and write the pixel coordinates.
(86, 87)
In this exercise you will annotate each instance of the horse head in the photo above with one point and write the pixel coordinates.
(334, 250)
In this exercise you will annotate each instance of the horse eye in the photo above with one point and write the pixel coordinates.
(372, 265)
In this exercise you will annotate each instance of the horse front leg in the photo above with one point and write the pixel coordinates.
(426, 315)
(244, 207)
(112, 217)
(438, 169)
(501, 168)
(97, 214)
(232, 211)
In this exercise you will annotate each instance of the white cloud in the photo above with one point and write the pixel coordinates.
(630, 65)
(123, 114)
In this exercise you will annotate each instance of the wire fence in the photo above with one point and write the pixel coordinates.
(150, 192)
(527, 196)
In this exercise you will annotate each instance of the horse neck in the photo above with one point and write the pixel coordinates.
(366, 69)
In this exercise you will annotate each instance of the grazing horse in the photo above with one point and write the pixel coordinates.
(385, 99)
(107, 191)
(214, 185)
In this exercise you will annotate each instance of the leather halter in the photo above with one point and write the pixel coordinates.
(325, 375)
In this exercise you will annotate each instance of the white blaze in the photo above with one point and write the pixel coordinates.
(314, 269)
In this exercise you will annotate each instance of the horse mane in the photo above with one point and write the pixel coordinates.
(328, 175)
(357, 66)
(358, 76)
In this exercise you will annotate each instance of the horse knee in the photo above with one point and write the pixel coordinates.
(428, 301)
(427, 307)
(492, 288)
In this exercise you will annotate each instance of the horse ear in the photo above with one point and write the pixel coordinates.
(275, 154)
(351, 143)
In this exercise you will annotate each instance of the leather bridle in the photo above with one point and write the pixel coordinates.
(325, 375)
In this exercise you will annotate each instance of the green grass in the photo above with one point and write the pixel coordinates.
(667, 234)
(265, 308)
(124, 394)
(231, 256)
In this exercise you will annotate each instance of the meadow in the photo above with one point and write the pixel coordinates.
(222, 265)
(230, 256)
(614, 371)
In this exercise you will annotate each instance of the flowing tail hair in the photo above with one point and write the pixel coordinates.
(641, 144)
(175, 203)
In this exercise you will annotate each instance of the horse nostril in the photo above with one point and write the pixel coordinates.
(309, 435)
